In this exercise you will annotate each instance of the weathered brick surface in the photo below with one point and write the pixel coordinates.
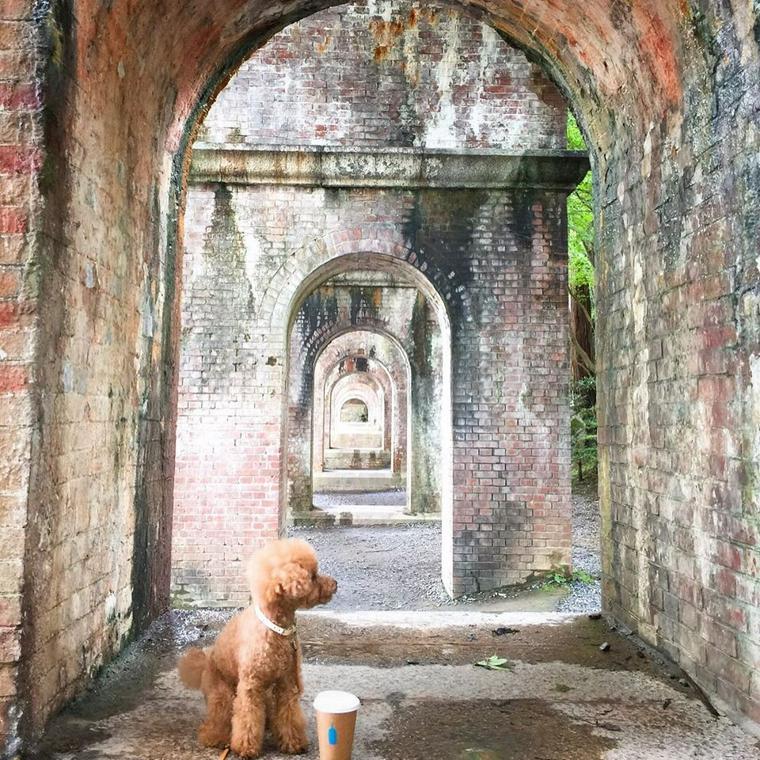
(328, 72)
(667, 90)
(19, 162)
(389, 74)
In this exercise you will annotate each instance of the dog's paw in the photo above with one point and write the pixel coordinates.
(246, 749)
(294, 746)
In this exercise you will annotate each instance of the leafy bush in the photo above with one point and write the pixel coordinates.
(581, 283)
(580, 222)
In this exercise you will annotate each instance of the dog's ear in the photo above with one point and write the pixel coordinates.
(291, 580)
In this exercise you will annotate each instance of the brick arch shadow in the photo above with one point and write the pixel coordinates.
(373, 390)
(299, 448)
(391, 397)
(398, 376)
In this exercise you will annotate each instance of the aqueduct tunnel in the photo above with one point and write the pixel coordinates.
(99, 108)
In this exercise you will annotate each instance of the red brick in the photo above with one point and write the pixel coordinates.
(13, 378)
(13, 220)
(18, 160)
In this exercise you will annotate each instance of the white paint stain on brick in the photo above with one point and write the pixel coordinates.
(67, 376)
(481, 117)
(440, 126)
(89, 275)
(381, 8)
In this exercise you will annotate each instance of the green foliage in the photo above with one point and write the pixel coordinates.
(583, 442)
(580, 223)
(575, 139)
(580, 269)
(583, 577)
(558, 579)
(582, 282)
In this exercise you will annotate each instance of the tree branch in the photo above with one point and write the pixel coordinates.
(585, 359)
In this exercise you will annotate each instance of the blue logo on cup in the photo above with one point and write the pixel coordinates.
(332, 736)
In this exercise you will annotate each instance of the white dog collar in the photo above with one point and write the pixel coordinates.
(264, 620)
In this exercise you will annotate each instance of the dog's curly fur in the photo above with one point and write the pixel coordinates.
(251, 676)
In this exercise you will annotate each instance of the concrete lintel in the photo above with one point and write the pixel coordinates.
(406, 168)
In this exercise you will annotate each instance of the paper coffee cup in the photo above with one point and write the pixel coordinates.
(336, 720)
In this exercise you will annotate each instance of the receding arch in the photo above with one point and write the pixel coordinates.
(354, 409)
(336, 399)
(398, 370)
(371, 396)
(385, 252)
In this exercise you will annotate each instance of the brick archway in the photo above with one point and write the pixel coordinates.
(390, 392)
(430, 475)
(371, 245)
(397, 370)
(665, 91)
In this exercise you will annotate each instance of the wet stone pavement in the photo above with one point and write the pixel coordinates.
(560, 698)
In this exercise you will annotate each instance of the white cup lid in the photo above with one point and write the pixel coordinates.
(336, 702)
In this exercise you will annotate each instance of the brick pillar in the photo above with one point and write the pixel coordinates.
(510, 404)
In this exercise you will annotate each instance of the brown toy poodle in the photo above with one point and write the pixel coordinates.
(251, 676)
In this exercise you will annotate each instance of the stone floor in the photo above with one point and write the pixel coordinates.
(333, 500)
(560, 698)
(359, 508)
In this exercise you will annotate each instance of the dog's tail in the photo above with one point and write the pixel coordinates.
(191, 667)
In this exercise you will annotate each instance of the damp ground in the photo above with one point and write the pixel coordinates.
(396, 567)
(561, 694)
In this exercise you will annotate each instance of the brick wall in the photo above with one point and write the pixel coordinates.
(94, 265)
(388, 73)
(20, 160)
(667, 92)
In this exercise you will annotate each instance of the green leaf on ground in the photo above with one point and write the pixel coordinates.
(494, 662)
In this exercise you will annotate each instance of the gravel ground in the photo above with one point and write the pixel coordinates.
(585, 597)
(398, 567)
(381, 568)
(390, 498)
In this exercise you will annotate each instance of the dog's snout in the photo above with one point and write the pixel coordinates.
(328, 585)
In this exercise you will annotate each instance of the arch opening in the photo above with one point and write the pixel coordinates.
(344, 248)
(354, 410)
(370, 309)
